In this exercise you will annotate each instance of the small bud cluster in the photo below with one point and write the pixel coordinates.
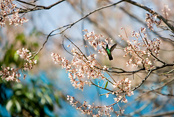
(151, 20)
(9, 74)
(166, 11)
(141, 51)
(7, 7)
(81, 69)
(95, 111)
(26, 55)
(123, 88)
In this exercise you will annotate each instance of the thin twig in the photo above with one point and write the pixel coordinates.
(142, 81)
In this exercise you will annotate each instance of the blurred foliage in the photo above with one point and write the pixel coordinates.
(20, 41)
(33, 98)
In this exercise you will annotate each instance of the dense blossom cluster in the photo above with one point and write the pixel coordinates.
(81, 69)
(123, 87)
(26, 55)
(10, 74)
(6, 8)
(142, 50)
(96, 111)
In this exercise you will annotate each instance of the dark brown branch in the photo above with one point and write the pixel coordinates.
(40, 7)
(149, 75)
(36, 7)
(135, 71)
(26, 3)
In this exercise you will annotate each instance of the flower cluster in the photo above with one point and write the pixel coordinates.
(7, 7)
(16, 19)
(123, 88)
(26, 55)
(93, 110)
(142, 52)
(151, 20)
(10, 74)
(81, 69)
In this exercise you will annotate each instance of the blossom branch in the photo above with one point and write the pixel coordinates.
(142, 22)
(150, 49)
(152, 12)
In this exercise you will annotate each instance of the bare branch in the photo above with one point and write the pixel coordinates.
(72, 24)
(142, 81)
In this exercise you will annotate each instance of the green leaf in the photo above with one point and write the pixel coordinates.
(18, 93)
(43, 101)
(106, 84)
(36, 112)
(48, 99)
(57, 100)
(56, 96)
(17, 86)
(9, 105)
(16, 56)
(29, 95)
(21, 37)
(18, 106)
(35, 44)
